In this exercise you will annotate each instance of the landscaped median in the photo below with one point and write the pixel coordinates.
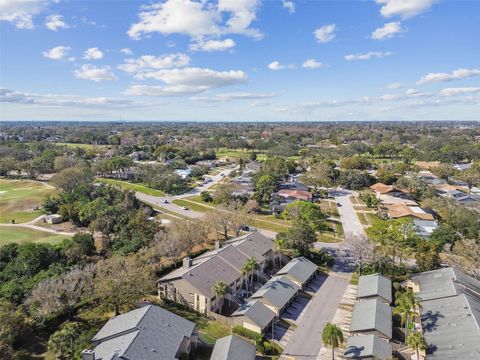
(132, 186)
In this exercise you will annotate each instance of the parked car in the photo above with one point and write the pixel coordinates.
(339, 205)
(165, 201)
(183, 208)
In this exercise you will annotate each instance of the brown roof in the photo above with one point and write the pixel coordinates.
(400, 210)
(447, 187)
(382, 188)
(297, 194)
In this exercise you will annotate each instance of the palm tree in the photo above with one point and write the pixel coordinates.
(220, 289)
(332, 336)
(248, 268)
(416, 341)
(405, 307)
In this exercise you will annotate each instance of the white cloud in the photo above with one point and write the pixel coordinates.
(126, 51)
(368, 56)
(13, 96)
(275, 65)
(93, 54)
(95, 73)
(234, 96)
(57, 53)
(404, 8)
(289, 5)
(212, 45)
(312, 64)
(412, 92)
(21, 12)
(460, 91)
(186, 81)
(458, 74)
(197, 18)
(55, 22)
(325, 33)
(388, 31)
(394, 86)
(149, 63)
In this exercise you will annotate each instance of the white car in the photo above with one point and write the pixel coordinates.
(165, 201)
(183, 208)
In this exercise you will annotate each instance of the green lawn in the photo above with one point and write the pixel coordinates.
(22, 235)
(134, 187)
(18, 198)
(362, 218)
(83, 146)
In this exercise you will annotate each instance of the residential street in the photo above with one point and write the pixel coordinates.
(306, 340)
(159, 201)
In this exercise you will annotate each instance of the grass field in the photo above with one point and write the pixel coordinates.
(83, 146)
(18, 198)
(134, 187)
(191, 205)
(22, 235)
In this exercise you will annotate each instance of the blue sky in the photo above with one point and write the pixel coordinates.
(240, 60)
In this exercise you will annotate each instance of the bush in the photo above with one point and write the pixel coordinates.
(206, 196)
(249, 334)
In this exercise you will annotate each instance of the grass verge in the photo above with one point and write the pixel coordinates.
(134, 187)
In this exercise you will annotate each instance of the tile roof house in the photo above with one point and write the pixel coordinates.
(300, 270)
(374, 286)
(254, 315)
(372, 316)
(369, 347)
(192, 284)
(296, 194)
(424, 221)
(147, 333)
(450, 313)
(233, 347)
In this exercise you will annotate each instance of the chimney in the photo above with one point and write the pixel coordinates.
(88, 354)
(217, 245)
(187, 262)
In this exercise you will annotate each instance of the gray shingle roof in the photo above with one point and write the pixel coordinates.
(299, 269)
(256, 312)
(222, 264)
(374, 285)
(147, 333)
(233, 347)
(372, 314)
(450, 313)
(451, 327)
(444, 282)
(362, 346)
(277, 291)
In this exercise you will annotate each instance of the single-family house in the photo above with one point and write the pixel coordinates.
(295, 194)
(183, 173)
(277, 293)
(254, 315)
(192, 284)
(450, 313)
(233, 347)
(424, 221)
(368, 347)
(372, 316)
(299, 270)
(147, 333)
(374, 286)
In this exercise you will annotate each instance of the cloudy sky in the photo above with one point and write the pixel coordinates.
(240, 60)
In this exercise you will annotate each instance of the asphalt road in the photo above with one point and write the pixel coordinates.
(165, 202)
(348, 216)
(306, 341)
